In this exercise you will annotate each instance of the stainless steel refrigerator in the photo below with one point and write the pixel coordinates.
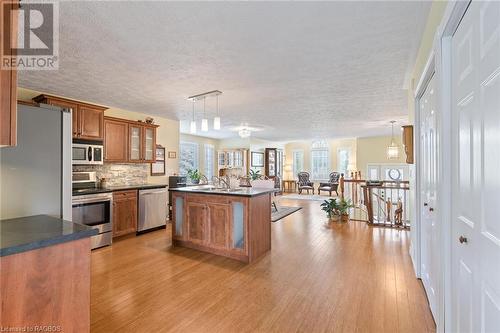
(35, 175)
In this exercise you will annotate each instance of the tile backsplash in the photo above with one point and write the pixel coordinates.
(119, 174)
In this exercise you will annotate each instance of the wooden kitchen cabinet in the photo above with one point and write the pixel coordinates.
(142, 143)
(88, 119)
(197, 222)
(219, 221)
(219, 224)
(8, 82)
(124, 212)
(129, 141)
(115, 141)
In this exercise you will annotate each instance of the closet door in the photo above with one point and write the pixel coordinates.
(476, 170)
(430, 231)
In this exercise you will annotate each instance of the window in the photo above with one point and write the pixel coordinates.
(209, 161)
(319, 160)
(188, 157)
(343, 158)
(298, 162)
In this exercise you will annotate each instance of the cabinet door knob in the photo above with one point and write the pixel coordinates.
(462, 239)
(426, 204)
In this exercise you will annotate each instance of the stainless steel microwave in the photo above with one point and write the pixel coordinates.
(85, 154)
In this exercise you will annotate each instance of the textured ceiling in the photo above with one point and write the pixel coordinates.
(295, 70)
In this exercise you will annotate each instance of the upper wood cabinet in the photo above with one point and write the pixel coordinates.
(408, 143)
(8, 83)
(115, 141)
(142, 142)
(129, 141)
(88, 119)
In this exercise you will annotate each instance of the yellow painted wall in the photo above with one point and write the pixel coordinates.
(167, 134)
(373, 150)
(434, 19)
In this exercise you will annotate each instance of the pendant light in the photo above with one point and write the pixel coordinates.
(217, 117)
(193, 122)
(204, 121)
(393, 148)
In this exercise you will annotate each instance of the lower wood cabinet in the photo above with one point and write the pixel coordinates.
(212, 223)
(124, 212)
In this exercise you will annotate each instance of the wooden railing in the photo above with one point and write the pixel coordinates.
(385, 204)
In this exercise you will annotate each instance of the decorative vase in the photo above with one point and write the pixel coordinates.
(195, 181)
(344, 218)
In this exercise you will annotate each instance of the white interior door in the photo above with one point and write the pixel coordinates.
(430, 232)
(476, 170)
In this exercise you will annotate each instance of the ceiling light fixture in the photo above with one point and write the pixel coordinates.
(193, 122)
(204, 121)
(393, 148)
(244, 132)
(217, 117)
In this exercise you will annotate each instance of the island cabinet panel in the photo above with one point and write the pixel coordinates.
(47, 287)
(219, 220)
(197, 222)
(124, 212)
(233, 226)
(115, 141)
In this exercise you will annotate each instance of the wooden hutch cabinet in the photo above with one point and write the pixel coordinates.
(88, 119)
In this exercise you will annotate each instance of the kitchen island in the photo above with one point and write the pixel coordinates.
(234, 223)
(44, 275)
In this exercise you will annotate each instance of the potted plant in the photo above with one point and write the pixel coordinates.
(194, 175)
(343, 207)
(331, 208)
(254, 174)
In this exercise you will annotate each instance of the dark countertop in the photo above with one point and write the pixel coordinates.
(34, 232)
(241, 191)
(109, 189)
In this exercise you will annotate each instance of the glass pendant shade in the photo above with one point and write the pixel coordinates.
(392, 151)
(393, 148)
(204, 125)
(193, 127)
(244, 133)
(217, 123)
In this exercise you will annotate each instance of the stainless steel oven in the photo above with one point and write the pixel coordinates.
(95, 210)
(87, 153)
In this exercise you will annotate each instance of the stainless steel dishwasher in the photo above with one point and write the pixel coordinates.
(152, 209)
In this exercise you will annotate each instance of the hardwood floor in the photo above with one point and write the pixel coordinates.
(351, 278)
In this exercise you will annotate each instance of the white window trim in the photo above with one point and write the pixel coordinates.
(328, 163)
(212, 147)
(294, 171)
(349, 151)
(197, 152)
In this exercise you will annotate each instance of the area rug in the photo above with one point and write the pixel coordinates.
(312, 197)
(282, 212)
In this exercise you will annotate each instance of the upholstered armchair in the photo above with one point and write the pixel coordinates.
(304, 182)
(332, 185)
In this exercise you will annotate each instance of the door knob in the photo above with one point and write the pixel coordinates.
(462, 239)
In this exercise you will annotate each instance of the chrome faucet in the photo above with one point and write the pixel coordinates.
(204, 179)
(220, 180)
